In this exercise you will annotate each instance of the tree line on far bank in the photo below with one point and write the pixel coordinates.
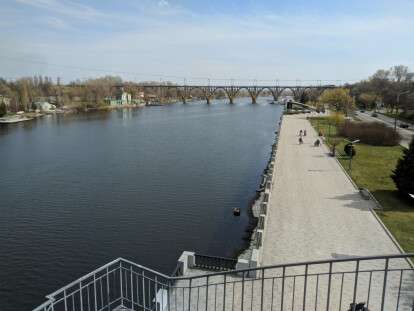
(392, 88)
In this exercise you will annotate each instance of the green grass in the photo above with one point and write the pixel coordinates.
(371, 168)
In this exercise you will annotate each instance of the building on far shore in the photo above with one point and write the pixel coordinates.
(120, 98)
(5, 100)
(44, 106)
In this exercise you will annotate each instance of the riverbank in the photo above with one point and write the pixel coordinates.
(258, 209)
(28, 116)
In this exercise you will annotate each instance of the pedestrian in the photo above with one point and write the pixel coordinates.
(304, 132)
(300, 133)
(300, 140)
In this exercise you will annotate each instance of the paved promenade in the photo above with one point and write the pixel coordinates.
(315, 211)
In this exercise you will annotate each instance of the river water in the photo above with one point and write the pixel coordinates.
(78, 191)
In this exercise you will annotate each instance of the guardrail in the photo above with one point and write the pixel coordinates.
(214, 263)
(378, 282)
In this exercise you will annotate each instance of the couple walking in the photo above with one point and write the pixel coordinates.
(301, 132)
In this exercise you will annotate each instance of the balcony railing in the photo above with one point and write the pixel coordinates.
(377, 283)
(214, 263)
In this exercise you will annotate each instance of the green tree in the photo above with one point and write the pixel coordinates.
(403, 174)
(338, 100)
(23, 94)
(3, 109)
(368, 100)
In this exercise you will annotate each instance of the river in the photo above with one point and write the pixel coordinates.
(78, 191)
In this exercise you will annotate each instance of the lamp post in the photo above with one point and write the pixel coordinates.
(351, 144)
(398, 105)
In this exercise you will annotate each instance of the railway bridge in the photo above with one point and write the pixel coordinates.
(208, 92)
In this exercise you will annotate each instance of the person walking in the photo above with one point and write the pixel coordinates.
(300, 133)
(304, 132)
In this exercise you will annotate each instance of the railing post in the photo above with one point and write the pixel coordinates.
(261, 298)
(329, 287)
(355, 283)
(156, 292)
(384, 286)
(120, 281)
(168, 294)
(94, 290)
(107, 286)
(224, 292)
(143, 288)
(242, 297)
(132, 289)
(207, 293)
(283, 288)
(81, 296)
(305, 287)
(64, 297)
(189, 295)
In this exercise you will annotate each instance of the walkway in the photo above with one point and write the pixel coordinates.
(315, 211)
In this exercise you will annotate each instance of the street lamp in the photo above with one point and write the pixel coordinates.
(398, 105)
(351, 149)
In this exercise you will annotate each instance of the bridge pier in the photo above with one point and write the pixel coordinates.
(254, 93)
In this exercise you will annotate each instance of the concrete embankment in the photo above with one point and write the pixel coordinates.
(259, 207)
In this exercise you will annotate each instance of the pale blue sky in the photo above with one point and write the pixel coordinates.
(173, 39)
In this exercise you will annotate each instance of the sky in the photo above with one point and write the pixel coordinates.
(212, 41)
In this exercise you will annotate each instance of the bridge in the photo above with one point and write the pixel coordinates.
(208, 92)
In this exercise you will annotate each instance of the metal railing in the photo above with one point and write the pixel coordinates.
(214, 263)
(378, 282)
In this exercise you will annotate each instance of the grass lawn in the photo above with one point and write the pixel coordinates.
(371, 169)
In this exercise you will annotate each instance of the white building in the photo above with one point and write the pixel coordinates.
(45, 106)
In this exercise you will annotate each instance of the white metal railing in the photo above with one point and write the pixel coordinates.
(377, 282)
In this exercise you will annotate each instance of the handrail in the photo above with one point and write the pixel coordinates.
(217, 257)
(293, 264)
(126, 266)
(118, 260)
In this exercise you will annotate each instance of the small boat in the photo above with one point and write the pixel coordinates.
(236, 211)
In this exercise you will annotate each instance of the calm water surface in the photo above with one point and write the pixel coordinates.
(144, 184)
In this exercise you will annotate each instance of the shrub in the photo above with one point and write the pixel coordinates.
(336, 118)
(371, 133)
(403, 174)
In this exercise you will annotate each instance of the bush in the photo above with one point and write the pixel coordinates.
(336, 118)
(404, 173)
(371, 133)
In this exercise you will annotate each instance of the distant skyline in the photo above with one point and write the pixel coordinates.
(177, 39)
